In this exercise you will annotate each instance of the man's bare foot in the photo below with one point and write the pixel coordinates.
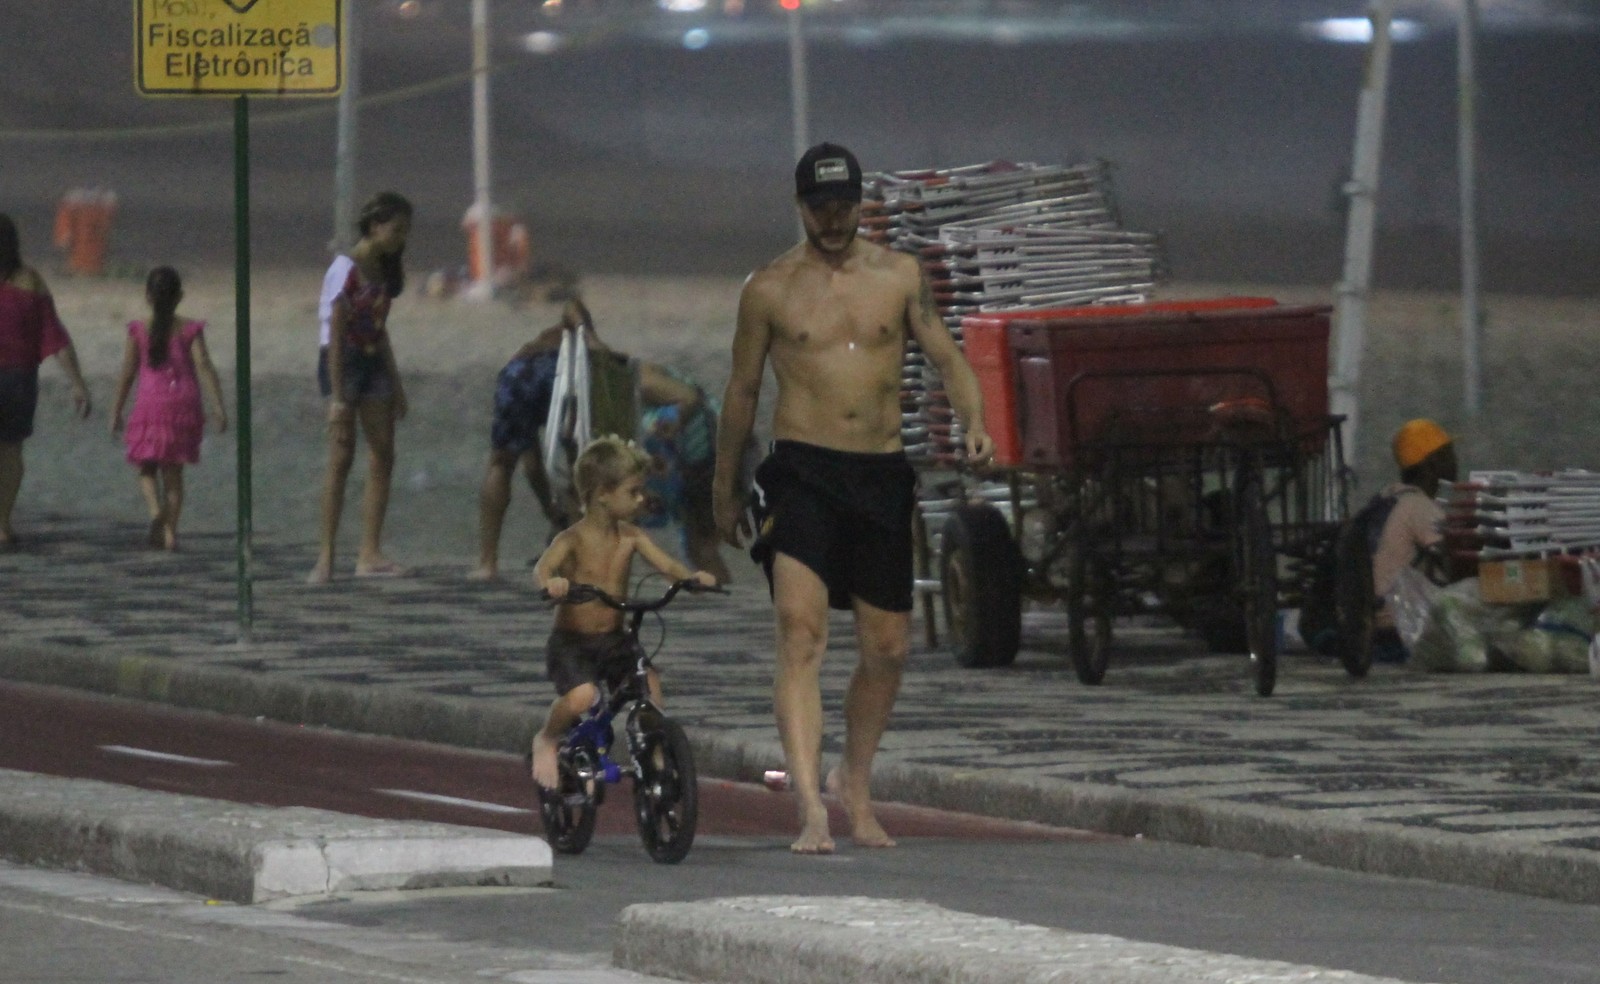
(856, 799)
(546, 770)
(381, 567)
(814, 837)
(320, 574)
(485, 572)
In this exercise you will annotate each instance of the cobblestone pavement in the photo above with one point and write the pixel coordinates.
(1508, 759)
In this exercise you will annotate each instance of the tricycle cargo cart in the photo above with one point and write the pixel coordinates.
(1172, 459)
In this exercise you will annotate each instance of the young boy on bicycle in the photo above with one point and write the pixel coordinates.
(588, 644)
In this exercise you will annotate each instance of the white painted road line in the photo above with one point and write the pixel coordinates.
(163, 756)
(452, 801)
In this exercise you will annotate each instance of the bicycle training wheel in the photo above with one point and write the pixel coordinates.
(666, 796)
(568, 812)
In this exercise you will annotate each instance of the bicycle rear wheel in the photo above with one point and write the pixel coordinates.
(666, 794)
(568, 812)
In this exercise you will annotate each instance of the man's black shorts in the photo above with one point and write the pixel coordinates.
(844, 514)
(19, 398)
(575, 658)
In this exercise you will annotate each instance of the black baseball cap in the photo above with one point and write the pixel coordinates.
(827, 172)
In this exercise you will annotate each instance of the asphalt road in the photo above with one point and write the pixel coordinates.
(1203, 899)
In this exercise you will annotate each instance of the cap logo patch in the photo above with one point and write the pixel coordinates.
(832, 169)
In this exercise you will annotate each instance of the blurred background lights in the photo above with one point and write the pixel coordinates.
(1358, 30)
(696, 38)
(682, 6)
(542, 42)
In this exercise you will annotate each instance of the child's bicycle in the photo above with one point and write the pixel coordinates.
(665, 795)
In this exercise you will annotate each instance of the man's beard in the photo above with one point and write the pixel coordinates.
(816, 240)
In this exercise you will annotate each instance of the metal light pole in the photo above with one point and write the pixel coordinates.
(798, 92)
(483, 287)
(1467, 163)
(344, 162)
(1362, 189)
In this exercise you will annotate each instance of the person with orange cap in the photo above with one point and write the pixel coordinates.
(1411, 534)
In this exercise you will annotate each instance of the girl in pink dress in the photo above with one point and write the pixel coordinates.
(169, 359)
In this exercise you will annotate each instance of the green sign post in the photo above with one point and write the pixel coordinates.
(240, 48)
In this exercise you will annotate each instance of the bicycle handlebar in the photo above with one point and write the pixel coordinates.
(579, 593)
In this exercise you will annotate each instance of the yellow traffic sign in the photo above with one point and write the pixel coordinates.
(238, 47)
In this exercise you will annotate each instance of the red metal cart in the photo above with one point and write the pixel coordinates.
(1175, 458)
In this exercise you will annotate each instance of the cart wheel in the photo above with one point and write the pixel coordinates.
(1354, 603)
(666, 796)
(568, 812)
(980, 574)
(1090, 651)
(1259, 578)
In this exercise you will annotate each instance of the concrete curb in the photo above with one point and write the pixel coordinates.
(1480, 861)
(247, 854)
(820, 940)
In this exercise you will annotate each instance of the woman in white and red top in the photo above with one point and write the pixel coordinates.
(30, 332)
(357, 374)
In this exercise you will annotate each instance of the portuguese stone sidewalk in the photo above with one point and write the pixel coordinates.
(1489, 780)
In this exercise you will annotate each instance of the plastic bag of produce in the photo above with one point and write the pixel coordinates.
(1448, 630)
(1558, 639)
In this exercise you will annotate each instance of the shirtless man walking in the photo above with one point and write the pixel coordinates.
(833, 501)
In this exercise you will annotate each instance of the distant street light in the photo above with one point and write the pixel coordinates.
(344, 161)
(1467, 161)
(483, 287)
(798, 87)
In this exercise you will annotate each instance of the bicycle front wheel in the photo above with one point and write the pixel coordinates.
(666, 794)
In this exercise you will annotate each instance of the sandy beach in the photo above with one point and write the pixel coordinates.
(1538, 404)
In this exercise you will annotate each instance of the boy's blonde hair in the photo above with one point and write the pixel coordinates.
(605, 464)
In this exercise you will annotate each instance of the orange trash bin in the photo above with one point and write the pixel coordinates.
(83, 229)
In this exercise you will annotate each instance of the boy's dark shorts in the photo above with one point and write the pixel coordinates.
(575, 658)
(366, 376)
(522, 395)
(19, 398)
(844, 514)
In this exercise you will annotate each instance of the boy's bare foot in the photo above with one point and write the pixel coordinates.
(484, 572)
(814, 837)
(857, 801)
(320, 574)
(546, 770)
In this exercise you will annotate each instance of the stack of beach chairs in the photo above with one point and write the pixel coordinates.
(1500, 515)
(996, 237)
